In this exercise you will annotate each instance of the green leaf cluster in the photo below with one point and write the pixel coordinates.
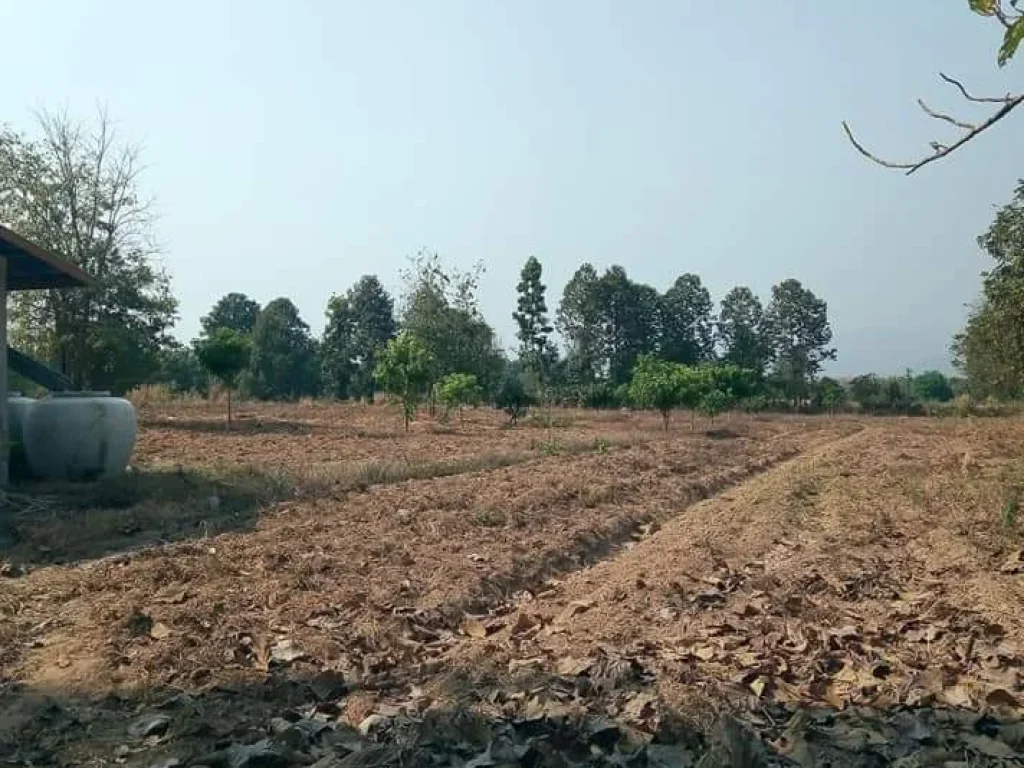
(457, 390)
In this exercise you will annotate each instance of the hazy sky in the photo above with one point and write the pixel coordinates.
(293, 147)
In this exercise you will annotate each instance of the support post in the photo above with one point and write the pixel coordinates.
(5, 428)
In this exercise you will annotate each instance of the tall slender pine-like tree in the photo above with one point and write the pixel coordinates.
(535, 347)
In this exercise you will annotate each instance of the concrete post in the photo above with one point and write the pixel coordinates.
(5, 430)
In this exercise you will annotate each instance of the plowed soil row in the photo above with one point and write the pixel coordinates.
(337, 578)
(373, 588)
(876, 580)
(300, 437)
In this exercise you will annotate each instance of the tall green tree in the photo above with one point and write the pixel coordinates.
(441, 308)
(932, 386)
(579, 321)
(740, 330)
(609, 321)
(284, 355)
(234, 311)
(630, 323)
(535, 347)
(74, 189)
(987, 350)
(990, 349)
(686, 322)
(798, 326)
(359, 324)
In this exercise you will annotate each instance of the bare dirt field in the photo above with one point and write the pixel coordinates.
(316, 587)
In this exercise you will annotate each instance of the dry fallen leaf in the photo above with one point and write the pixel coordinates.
(159, 631)
(573, 667)
(1000, 697)
(640, 707)
(957, 696)
(526, 622)
(579, 606)
(172, 594)
(1014, 563)
(704, 652)
(835, 697)
(285, 652)
(744, 609)
(473, 628)
(759, 685)
(748, 659)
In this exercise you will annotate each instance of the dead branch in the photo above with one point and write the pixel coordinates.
(939, 116)
(1008, 103)
(975, 99)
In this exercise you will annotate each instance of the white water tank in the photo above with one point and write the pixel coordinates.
(79, 435)
(17, 407)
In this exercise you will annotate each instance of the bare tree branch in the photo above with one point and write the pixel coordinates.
(975, 99)
(1009, 103)
(939, 116)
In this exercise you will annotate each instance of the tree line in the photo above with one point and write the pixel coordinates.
(626, 344)
(74, 189)
(609, 324)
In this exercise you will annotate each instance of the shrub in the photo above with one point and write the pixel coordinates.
(713, 403)
(513, 398)
(602, 395)
(456, 391)
(933, 386)
(657, 385)
(756, 404)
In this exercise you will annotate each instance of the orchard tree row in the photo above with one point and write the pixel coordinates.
(608, 323)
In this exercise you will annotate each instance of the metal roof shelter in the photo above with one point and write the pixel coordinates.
(29, 266)
(25, 266)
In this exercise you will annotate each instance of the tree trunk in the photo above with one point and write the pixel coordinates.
(229, 407)
(693, 420)
(664, 421)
